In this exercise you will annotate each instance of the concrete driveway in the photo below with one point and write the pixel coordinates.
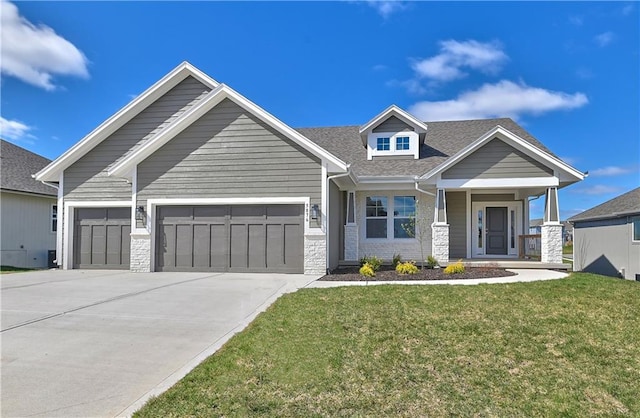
(99, 343)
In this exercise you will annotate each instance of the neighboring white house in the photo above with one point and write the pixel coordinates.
(28, 209)
(607, 237)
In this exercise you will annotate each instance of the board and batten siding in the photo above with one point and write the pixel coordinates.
(87, 178)
(393, 124)
(26, 230)
(497, 159)
(228, 153)
(457, 220)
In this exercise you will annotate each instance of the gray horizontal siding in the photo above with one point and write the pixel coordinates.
(457, 219)
(497, 159)
(393, 124)
(229, 153)
(87, 179)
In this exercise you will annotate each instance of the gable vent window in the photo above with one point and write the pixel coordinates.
(383, 144)
(402, 143)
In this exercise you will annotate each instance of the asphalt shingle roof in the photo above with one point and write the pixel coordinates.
(16, 167)
(625, 204)
(443, 140)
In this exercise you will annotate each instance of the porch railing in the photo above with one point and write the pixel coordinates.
(530, 246)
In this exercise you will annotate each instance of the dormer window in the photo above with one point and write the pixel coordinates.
(383, 144)
(402, 143)
(393, 133)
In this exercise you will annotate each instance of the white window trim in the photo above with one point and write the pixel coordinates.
(636, 219)
(51, 218)
(390, 217)
(510, 205)
(372, 144)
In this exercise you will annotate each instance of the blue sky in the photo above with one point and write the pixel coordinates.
(568, 72)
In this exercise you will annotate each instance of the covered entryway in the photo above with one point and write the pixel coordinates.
(102, 238)
(238, 238)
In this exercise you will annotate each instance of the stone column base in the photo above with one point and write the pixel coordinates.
(315, 254)
(140, 253)
(551, 243)
(351, 242)
(440, 242)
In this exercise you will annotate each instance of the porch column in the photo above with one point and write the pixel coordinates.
(351, 229)
(440, 229)
(551, 229)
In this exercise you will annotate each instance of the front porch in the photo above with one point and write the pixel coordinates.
(509, 263)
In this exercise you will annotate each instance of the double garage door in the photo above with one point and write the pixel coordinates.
(240, 238)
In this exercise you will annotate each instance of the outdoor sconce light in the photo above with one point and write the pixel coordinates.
(314, 212)
(140, 213)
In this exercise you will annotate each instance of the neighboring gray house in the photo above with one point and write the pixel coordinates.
(607, 237)
(28, 209)
(535, 227)
(193, 176)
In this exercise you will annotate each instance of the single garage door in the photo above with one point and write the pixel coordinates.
(102, 238)
(237, 238)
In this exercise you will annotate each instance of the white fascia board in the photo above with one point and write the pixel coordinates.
(387, 179)
(52, 171)
(213, 98)
(497, 183)
(394, 110)
(511, 139)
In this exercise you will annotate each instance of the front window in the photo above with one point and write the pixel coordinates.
(636, 229)
(383, 144)
(376, 217)
(404, 210)
(402, 143)
(54, 218)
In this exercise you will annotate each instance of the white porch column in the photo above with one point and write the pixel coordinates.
(351, 229)
(440, 229)
(551, 229)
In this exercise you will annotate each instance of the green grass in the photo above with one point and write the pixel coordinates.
(567, 249)
(11, 269)
(557, 348)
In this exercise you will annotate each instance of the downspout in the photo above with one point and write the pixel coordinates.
(335, 176)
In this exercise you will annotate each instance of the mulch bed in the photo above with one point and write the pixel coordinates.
(387, 273)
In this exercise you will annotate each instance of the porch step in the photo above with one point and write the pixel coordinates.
(512, 264)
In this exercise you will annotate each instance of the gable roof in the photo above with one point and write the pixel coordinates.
(393, 111)
(124, 115)
(17, 165)
(213, 98)
(443, 140)
(626, 204)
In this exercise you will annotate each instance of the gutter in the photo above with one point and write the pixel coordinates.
(335, 176)
(421, 190)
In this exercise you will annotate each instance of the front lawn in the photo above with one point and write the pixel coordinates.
(11, 269)
(566, 347)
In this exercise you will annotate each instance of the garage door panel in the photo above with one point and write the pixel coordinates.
(167, 246)
(257, 246)
(240, 238)
(238, 246)
(83, 256)
(184, 246)
(114, 244)
(201, 243)
(125, 244)
(118, 213)
(98, 248)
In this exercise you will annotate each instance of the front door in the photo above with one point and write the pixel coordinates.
(496, 235)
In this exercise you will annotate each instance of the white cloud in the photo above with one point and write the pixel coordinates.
(626, 10)
(612, 171)
(35, 53)
(387, 7)
(379, 67)
(502, 99)
(598, 189)
(576, 20)
(455, 56)
(604, 38)
(14, 130)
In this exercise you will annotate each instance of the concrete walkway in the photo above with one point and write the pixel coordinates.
(522, 275)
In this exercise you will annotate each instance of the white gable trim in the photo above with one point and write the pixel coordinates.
(213, 98)
(513, 140)
(394, 110)
(124, 115)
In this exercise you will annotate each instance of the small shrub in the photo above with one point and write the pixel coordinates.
(374, 262)
(455, 268)
(397, 259)
(367, 271)
(431, 262)
(408, 267)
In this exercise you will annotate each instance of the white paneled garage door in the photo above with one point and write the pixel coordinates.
(237, 238)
